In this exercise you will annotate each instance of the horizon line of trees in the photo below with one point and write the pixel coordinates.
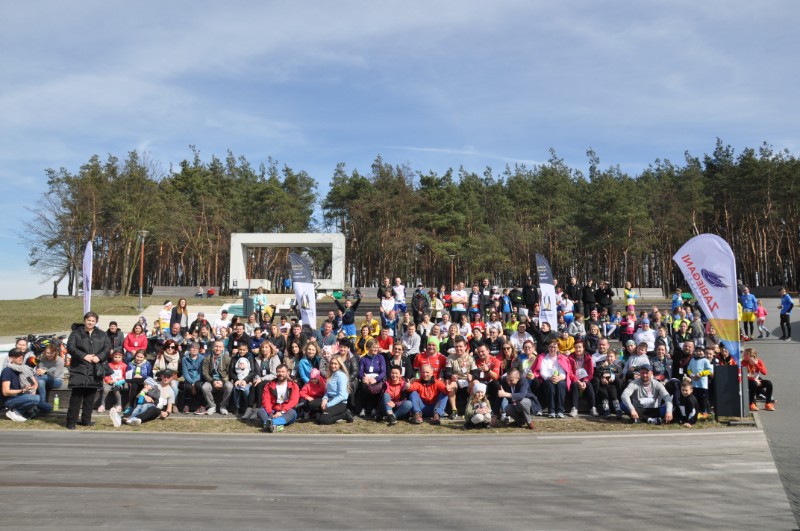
(420, 226)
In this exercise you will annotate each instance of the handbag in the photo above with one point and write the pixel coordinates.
(376, 388)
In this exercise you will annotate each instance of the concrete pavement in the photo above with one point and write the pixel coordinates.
(660, 480)
(782, 360)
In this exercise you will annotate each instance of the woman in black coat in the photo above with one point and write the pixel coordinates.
(88, 347)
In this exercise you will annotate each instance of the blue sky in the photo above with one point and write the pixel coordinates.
(431, 84)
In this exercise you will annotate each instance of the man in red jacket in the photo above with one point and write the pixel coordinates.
(279, 401)
(428, 396)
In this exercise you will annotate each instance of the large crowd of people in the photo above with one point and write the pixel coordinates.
(478, 355)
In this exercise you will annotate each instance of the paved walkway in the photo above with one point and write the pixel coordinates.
(782, 359)
(666, 480)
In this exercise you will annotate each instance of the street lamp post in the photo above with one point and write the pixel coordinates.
(452, 270)
(142, 235)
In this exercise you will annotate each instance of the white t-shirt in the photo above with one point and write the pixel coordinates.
(548, 367)
(167, 397)
(459, 294)
(399, 294)
(221, 323)
(280, 391)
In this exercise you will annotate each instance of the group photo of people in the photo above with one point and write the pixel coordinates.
(478, 355)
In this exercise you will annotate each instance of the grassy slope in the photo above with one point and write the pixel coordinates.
(46, 315)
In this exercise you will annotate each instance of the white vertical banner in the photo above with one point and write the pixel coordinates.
(303, 284)
(88, 259)
(548, 304)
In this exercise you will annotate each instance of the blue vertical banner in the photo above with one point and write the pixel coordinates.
(303, 284)
(548, 304)
(88, 260)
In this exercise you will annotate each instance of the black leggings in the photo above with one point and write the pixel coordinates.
(607, 392)
(575, 393)
(254, 400)
(135, 386)
(331, 415)
(192, 394)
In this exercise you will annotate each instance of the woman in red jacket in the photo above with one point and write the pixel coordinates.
(134, 341)
(584, 372)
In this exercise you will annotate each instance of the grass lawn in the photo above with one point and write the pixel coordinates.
(47, 315)
(192, 424)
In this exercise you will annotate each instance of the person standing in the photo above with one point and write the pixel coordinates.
(89, 348)
(575, 294)
(786, 311)
(749, 305)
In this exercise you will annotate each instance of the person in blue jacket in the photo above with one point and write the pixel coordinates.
(786, 310)
(749, 305)
(333, 406)
(192, 372)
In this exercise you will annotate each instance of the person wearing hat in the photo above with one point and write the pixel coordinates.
(646, 399)
(19, 389)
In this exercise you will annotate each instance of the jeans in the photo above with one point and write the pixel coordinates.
(241, 395)
(141, 408)
(47, 382)
(288, 416)
(24, 404)
(401, 409)
(428, 410)
(556, 395)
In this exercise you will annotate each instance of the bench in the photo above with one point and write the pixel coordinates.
(187, 292)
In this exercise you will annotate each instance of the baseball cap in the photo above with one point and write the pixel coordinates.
(645, 367)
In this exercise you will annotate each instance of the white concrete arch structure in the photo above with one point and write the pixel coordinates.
(241, 241)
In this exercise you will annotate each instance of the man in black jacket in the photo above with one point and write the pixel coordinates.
(575, 294)
(530, 295)
(605, 297)
(589, 302)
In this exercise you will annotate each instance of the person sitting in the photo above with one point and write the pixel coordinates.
(135, 340)
(428, 396)
(637, 360)
(313, 390)
(521, 402)
(395, 399)
(646, 400)
(555, 373)
(458, 376)
(174, 335)
(687, 407)
(216, 377)
(280, 399)
(144, 400)
(608, 374)
(478, 413)
(411, 341)
(332, 407)
(139, 370)
(372, 374)
(756, 384)
(584, 374)
(18, 383)
(192, 372)
(114, 381)
(243, 370)
(50, 370)
(432, 357)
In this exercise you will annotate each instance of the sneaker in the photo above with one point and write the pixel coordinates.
(274, 428)
(506, 421)
(348, 416)
(552, 415)
(128, 411)
(788, 338)
(223, 411)
(657, 422)
(559, 415)
(119, 409)
(135, 421)
(211, 410)
(753, 406)
(265, 426)
(185, 410)
(619, 414)
(200, 411)
(248, 413)
(392, 419)
(594, 412)
(453, 415)
(417, 418)
(606, 405)
(540, 413)
(702, 416)
(116, 420)
(16, 417)
(636, 421)
(101, 409)
(573, 412)
(607, 414)
(770, 407)
(768, 334)
(436, 420)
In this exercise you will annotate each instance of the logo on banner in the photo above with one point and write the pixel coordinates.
(718, 281)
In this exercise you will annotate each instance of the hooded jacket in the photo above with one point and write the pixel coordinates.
(80, 344)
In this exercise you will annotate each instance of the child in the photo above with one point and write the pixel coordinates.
(699, 369)
(244, 376)
(313, 390)
(479, 412)
(114, 382)
(139, 370)
(687, 410)
(146, 399)
(756, 384)
(606, 375)
(566, 343)
(761, 319)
